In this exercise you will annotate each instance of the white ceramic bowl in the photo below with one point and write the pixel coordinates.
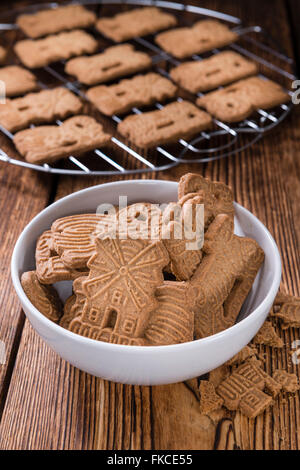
(136, 364)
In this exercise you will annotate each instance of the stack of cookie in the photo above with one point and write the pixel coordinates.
(136, 282)
(58, 35)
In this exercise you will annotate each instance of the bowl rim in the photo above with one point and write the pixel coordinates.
(140, 349)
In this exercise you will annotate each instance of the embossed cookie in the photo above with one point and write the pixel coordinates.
(288, 381)
(204, 36)
(119, 290)
(238, 101)
(176, 120)
(173, 320)
(114, 62)
(287, 309)
(137, 22)
(44, 298)
(207, 74)
(217, 196)
(55, 20)
(62, 46)
(36, 108)
(74, 304)
(138, 91)
(17, 80)
(75, 136)
(141, 220)
(49, 266)
(245, 388)
(268, 336)
(209, 400)
(224, 277)
(3, 53)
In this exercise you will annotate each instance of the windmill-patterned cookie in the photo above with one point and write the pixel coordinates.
(44, 298)
(224, 277)
(182, 234)
(49, 266)
(119, 290)
(173, 320)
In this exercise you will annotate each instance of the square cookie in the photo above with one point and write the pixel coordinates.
(37, 108)
(138, 22)
(138, 91)
(75, 136)
(17, 80)
(114, 62)
(179, 120)
(238, 101)
(41, 52)
(219, 69)
(55, 20)
(204, 36)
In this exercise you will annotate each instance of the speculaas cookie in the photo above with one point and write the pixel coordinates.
(114, 62)
(55, 20)
(220, 69)
(203, 36)
(74, 304)
(141, 220)
(49, 266)
(248, 352)
(245, 388)
(17, 80)
(138, 91)
(119, 290)
(238, 101)
(172, 322)
(36, 108)
(209, 400)
(44, 298)
(289, 382)
(3, 54)
(176, 120)
(76, 135)
(36, 53)
(68, 313)
(287, 309)
(230, 263)
(268, 336)
(137, 22)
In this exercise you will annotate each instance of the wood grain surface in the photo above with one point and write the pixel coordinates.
(47, 404)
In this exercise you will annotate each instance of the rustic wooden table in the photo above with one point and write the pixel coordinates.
(47, 404)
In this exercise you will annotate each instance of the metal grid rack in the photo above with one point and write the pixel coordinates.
(222, 141)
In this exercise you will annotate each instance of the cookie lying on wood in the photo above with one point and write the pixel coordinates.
(203, 36)
(55, 20)
(137, 22)
(207, 74)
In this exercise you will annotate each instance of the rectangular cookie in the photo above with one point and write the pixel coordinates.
(138, 91)
(219, 69)
(41, 52)
(204, 36)
(137, 22)
(239, 100)
(45, 144)
(17, 80)
(114, 62)
(36, 108)
(175, 121)
(55, 20)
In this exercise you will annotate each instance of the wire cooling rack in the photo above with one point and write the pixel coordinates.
(123, 158)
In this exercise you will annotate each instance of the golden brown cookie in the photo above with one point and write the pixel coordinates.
(37, 108)
(44, 298)
(220, 69)
(17, 80)
(137, 22)
(176, 120)
(114, 62)
(138, 91)
(3, 54)
(55, 20)
(172, 322)
(76, 135)
(119, 290)
(238, 101)
(62, 46)
(288, 381)
(287, 309)
(224, 277)
(204, 36)
(209, 400)
(268, 336)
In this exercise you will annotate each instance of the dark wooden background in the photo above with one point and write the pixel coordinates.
(47, 404)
